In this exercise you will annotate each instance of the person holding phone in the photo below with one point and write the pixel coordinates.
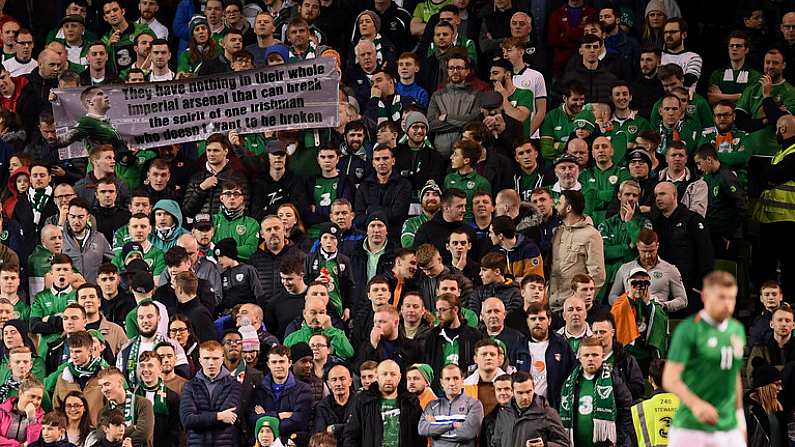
(641, 324)
(528, 419)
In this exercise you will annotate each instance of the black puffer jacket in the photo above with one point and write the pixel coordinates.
(268, 264)
(365, 427)
(208, 201)
(198, 411)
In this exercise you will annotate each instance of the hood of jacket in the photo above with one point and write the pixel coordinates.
(171, 207)
(12, 180)
(474, 378)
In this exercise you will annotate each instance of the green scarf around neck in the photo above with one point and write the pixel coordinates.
(129, 408)
(159, 402)
(604, 405)
(87, 370)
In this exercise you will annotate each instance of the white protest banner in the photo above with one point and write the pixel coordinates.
(293, 96)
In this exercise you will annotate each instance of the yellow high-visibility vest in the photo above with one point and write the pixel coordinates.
(652, 419)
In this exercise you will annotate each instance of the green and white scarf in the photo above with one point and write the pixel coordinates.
(129, 408)
(311, 53)
(73, 372)
(391, 112)
(604, 405)
(159, 393)
(379, 55)
(132, 360)
(38, 200)
(8, 387)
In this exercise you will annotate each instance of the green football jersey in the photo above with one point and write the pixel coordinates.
(97, 131)
(557, 126)
(731, 82)
(712, 357)
(525, 98)
(325, 191)
(469, 183)
(763, 141)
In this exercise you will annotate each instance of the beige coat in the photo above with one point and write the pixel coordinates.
(576, 249)
(113, 333)
(92, 393)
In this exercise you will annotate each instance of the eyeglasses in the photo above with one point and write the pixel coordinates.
(232, 194)
(178, 330)
(74, 406)
(443, 309)
(317, 346)
(456, 68)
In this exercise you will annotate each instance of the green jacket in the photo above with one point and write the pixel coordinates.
(410, 227)
(49, 303)
(244, 230)
(131, 175)
(22, 310)
(698, 110)
(599, 188)
(37, 369)
(340, 346)
(620, 240)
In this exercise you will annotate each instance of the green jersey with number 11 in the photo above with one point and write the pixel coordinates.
(712, 357)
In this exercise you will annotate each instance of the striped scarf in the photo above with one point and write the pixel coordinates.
(156, 394)
(604, 405)
(391, 112)
(311, 53)
(129, 408)
(132, 360)
(38, 200)
(379, 55)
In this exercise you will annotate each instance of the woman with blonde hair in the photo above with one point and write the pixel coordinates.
(764, 414)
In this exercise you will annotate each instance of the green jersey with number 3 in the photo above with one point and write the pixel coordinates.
(712, 357)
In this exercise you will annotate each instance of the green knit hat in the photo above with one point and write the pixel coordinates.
(98, 335)
(426, 371)
(269, 421)
(585, 120)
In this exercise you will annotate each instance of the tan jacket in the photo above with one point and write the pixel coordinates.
(576, 249)
(92, 393)
(113, 333)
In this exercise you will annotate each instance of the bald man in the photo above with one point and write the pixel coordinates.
(35, 96)
(777, 215)
(493, 314)
(684, 240)
(384, 414)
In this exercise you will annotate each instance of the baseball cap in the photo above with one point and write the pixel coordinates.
(490, 100)
(638, 271)
(202, 222)
(565, 158)
(276, 147)
(142, 282)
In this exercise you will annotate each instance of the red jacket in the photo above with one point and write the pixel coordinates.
(11, 103)
(564, 39)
